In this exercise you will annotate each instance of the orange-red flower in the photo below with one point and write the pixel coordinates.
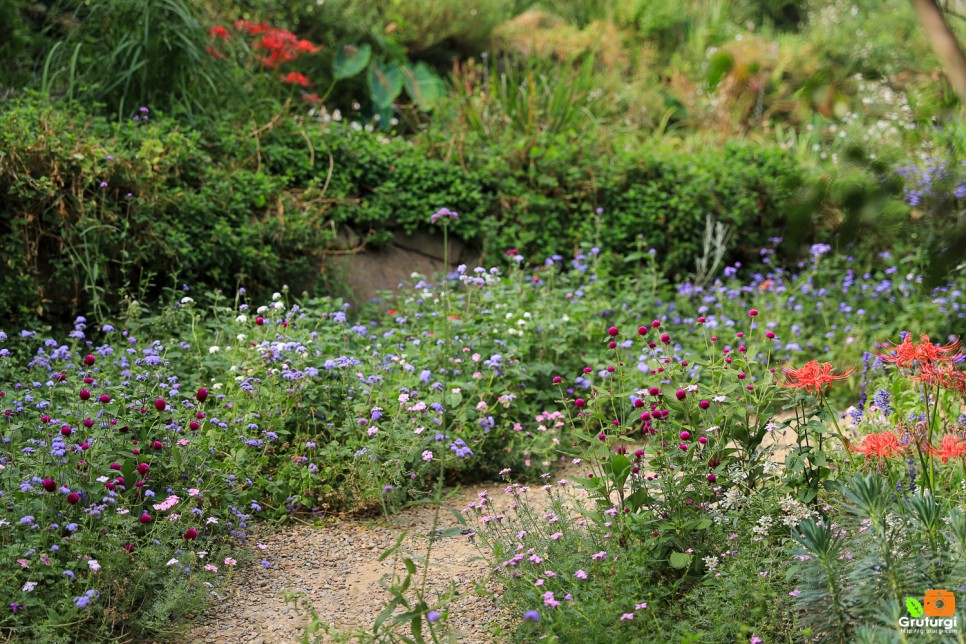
(943, 375)
(951, 446)
(884, 445)
(219, 32)
(297, 78)
(923, 353)
(813, 376)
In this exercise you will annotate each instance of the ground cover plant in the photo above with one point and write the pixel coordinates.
(138, 451)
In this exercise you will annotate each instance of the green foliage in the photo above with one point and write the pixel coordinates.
(130, 53)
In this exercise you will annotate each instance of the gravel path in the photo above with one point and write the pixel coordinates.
(336, 566)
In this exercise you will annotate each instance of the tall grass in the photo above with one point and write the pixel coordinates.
(129, 53)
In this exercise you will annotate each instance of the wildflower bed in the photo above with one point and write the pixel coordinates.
(138, 453)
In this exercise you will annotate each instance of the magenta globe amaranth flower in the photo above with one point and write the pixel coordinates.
(85, 394)
(259, 320)
(105, 398)
(642, 330)
(160, 404)
(73, 498)
(665, 338)
(49, 484)
(145, 518)
(753, 313)
(190, 534)
(194, 426)
(143, 468)
(712, 478)
(202, 394)
(770, 335)
(157, 445)
(680, 394)
(703, 440)
(580, 402)
(66, 430)
(613, 331)
(89, 359)
(557, 380)
(685, 435)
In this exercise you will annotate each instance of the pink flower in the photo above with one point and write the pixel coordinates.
(580, 574)
(641, 606)
(443, 213)
(229, 561)
(626, 617)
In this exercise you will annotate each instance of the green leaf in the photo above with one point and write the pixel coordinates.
(449, 532)
(385, 82)
(719, 65)
(388, 552)
(423, 85)
(350, 60)
(620, 469)
(385, 614)
(453, 399)
(680, 560)
(914, 607)
(129, 473)
(410, 566)
(636, 500)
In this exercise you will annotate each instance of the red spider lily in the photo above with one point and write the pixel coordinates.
(884, 445)
(219, 32)
(922, 353)
(813, 376)
(297, 78)
(951, 446)
(252, 28)
(943, 375)
(305, 47)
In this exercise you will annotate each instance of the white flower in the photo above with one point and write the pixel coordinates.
(711, 562)
(171, 562)
(241, 318)
(279, 306)
(187, 300)
(214, 349)
(93, 565)
(240, 337)
(29, 586)
(262, 309)
(276, 296)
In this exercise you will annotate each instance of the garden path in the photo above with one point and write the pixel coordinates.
(335, 569)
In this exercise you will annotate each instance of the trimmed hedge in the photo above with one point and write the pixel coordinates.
(90, 208)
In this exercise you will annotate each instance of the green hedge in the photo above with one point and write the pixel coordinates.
(90, 208)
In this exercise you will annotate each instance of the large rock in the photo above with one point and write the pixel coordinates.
(366, 273)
